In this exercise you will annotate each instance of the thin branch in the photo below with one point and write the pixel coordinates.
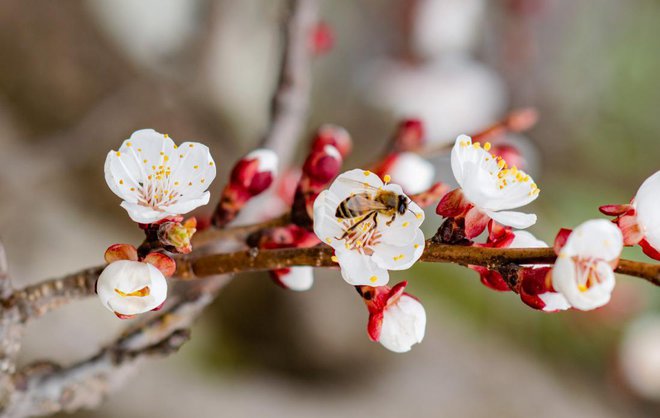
(290, 102)
(45, 388)
(321, 256)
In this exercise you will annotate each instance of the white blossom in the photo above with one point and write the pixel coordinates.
(639, 356)
(647, 207)
(156, 178)
(131, 287)
(492, 187)
(404, 324)
(583, 272)
(366, 247)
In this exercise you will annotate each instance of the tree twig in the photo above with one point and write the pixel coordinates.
(290, 102)
(321, 256)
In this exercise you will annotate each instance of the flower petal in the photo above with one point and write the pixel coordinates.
(647, 203)
(297, 278)
(359, 269)
(516, 220)
(393, 257)
(404, 324)
(354, 181)
(597, 238)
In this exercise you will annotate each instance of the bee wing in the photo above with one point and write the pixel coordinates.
(361, 184)
(361, 203)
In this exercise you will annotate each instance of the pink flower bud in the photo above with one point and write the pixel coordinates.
(321, 166)
(322, 38)
(409, 135)
(334, 135)
(251, 176)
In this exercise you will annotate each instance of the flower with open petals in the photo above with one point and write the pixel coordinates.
(397, 320)
(372, 242)
(584, 270)
(488, 189)
(158, 179)
(640, 220)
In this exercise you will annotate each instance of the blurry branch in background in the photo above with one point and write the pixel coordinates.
(44, 388)
(518, 120)
(290, 101)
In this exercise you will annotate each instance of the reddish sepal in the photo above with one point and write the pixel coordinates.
(162, 262)
(118, 252)
(452, 204)
(560, 239)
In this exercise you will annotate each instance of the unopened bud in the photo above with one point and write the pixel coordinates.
(177, 235)
(334, 135)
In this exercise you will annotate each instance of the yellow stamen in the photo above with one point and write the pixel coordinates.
(139, 293)
(487, 146)
(373, 279)
(387, 178)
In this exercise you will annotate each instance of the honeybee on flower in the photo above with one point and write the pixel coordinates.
(373, 227)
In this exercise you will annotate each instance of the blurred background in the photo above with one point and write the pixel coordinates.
(78, 77)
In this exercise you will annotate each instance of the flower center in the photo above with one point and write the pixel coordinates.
(361, 234)
(139, 293)
(587, 273)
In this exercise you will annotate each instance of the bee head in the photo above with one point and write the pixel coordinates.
(402, 204)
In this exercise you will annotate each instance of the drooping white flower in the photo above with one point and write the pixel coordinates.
(584, 270)
(158, 179)
(368, 245)
(404, 324)
(397, 320)
(490, 186)
(412, 172)
(129, 288)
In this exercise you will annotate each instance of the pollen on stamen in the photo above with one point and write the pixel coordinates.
(118, 154)
(418, 215)
(121, 181)
(191, 145)
(211, 163)
(128, 144)
(373, 279)
(487, 146)
(195, 167)
(387, 178)
(132, 189)
(416, 246)
(202, 181)
(166, 135)
(144, 161)
(405, 224)
(334, 259)
(366, 173)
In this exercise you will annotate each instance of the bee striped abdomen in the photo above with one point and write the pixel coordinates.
(344, 211)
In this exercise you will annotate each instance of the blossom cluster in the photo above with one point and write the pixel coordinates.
(371, 218)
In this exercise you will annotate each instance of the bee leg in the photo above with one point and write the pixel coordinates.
(391, 220)
(358, 223)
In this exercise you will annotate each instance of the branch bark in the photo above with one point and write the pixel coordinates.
(321, 256)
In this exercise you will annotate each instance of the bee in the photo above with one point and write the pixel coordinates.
(368, 204)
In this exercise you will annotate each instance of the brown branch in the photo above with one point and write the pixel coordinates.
(321, 256)
(45, 388)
